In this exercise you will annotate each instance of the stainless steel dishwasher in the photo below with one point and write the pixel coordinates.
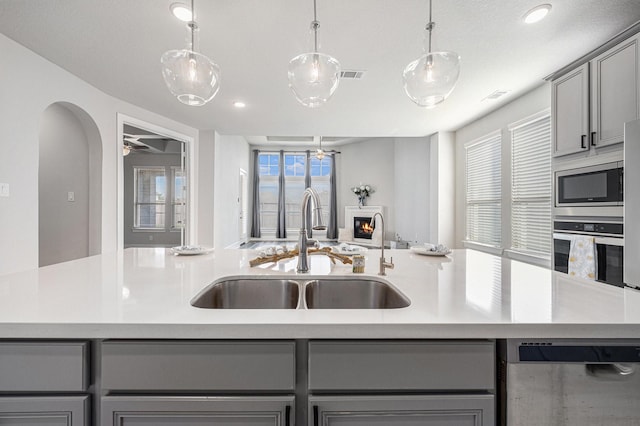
(567, 382)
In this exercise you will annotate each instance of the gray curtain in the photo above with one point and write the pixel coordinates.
(255, 216)
(307, 184)
(332, 226)
(281, 228)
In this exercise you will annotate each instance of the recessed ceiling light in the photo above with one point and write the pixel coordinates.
(181, 11)
(537, 13)
(239, 104)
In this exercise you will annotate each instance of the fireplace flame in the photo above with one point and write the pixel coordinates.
(367, 228)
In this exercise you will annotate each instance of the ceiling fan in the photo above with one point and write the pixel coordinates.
(132, 143)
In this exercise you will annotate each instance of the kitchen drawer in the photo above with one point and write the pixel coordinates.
(43, 366)
(402, 365)
(44, 410)
(198, 365)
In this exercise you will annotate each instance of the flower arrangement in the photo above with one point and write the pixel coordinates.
(362, 191)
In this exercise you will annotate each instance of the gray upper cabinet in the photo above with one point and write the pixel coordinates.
(570, 112)
(591, 103)
(615, 96)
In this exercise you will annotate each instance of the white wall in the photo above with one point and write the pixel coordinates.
(412, 189)
(64, 167)
(205, 175)
(531, 103)
(442, 182)
(370, 162)
(231, 155)
(20, 118)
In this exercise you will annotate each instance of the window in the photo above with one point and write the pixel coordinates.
(159, 206)
(178, 198)
(320, 175)
(294, 171)
(149, 197)
(294, 175)
(269, 170)
(531, 186)
(483, 190)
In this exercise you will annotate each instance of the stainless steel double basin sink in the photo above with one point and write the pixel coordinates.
(285, 293)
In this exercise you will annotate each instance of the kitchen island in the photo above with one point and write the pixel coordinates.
(145, 293)
(113, 340)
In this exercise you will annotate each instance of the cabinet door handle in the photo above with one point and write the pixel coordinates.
(582, 140)
(287, 415)
(593, 138)
(315, 415)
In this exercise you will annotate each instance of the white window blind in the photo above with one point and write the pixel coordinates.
(531, 187)
(483, 191)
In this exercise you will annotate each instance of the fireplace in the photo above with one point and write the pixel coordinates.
(354, 218)
(362, 228)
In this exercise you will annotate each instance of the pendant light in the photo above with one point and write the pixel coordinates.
(314, 76)
(320, 154)
(432, 77)
(190, 76)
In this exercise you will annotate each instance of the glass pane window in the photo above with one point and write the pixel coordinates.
(178, 198)
(531, 187)
(484, 191)
(294, 171)
(269, 164)
(149, 197)
(269, 171)
(320, 175)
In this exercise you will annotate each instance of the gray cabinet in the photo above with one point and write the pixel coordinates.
(197, 411)
(43, 366)
(615, 92)
(570, 112)
(197, 383)
(401, 382)
(591, 103)
(41, 383)
(192, 366)
(44, 410)
(409, 410)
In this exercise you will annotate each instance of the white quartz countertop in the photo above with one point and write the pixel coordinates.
(145, 293)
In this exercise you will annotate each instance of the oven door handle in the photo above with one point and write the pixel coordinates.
(565, 237)
(610, 241)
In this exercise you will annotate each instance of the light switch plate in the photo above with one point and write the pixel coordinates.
(71, 196)
(4, 189)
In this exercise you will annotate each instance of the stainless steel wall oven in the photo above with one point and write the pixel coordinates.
(609, 244)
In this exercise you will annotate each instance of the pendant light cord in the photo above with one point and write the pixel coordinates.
(430, 26)
(314, 25)
(192, 25)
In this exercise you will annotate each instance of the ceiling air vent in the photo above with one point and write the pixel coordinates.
(352, 74)
(495, 95)
(290, 138)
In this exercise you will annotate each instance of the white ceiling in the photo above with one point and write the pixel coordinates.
(116, 45)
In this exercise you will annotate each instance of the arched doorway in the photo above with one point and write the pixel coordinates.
(69, 185)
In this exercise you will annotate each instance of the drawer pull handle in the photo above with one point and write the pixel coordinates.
(315, 415)
(593, 138)
(582, 140)
(287, 415)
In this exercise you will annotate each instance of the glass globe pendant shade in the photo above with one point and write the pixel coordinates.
(313, 78)
(190, 76)
(431, 78)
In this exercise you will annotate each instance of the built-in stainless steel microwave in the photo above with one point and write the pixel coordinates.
(594, 186)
